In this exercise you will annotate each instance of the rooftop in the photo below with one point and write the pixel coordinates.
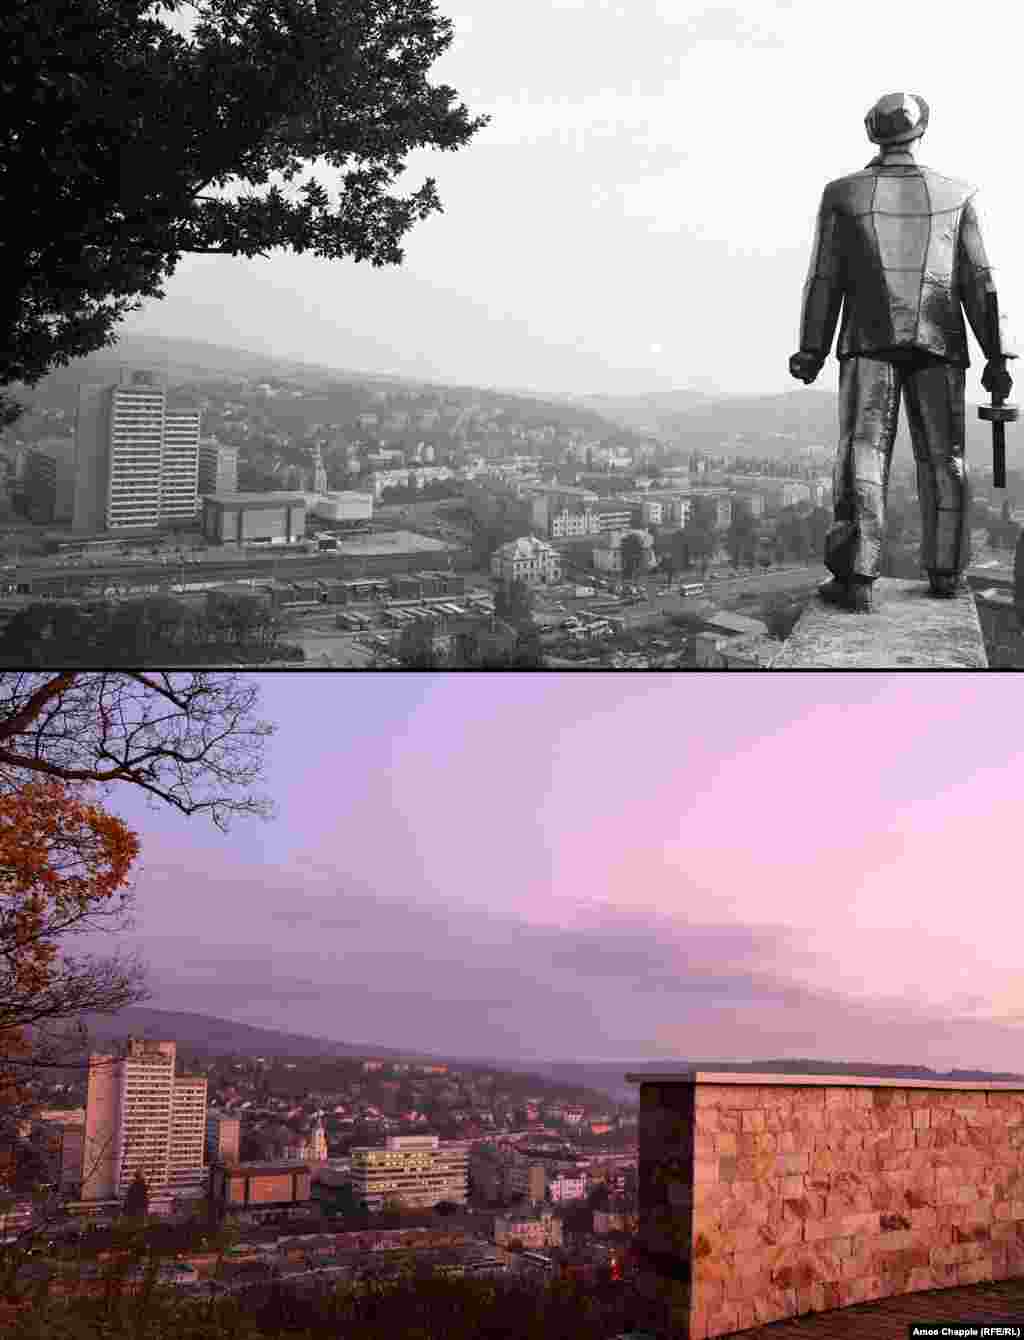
(272, 498)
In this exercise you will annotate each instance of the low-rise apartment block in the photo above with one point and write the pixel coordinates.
(416, 1170)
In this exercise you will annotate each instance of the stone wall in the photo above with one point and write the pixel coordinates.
(1000, 627)
(765, 1197)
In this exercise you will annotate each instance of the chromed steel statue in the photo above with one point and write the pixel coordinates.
(899, 248)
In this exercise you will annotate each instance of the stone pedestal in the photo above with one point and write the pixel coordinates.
(908, 629)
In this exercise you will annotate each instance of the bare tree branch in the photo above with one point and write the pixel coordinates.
(199, 755)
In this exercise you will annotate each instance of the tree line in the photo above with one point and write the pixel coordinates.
(151, 629)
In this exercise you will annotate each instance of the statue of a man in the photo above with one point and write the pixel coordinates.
(900, 248)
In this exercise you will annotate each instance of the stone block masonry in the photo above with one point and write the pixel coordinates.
(764, 1197)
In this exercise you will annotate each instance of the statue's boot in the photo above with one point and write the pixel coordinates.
(853, 595)
(945, 584)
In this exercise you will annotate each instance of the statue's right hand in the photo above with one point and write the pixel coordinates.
(805, 367)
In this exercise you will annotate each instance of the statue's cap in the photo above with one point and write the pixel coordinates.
(897, 118)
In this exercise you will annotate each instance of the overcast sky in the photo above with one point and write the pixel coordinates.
(609, 867)
(639, 213)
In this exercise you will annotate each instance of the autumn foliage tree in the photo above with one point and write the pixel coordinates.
(65, 864)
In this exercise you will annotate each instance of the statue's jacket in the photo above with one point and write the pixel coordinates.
(899, 247)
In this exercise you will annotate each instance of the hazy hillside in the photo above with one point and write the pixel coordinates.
(607, 1076)
(203, 1033)
(642, 413)
(194, 361)
(206, 1035)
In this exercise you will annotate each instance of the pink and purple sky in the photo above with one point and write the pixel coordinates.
(612, 867)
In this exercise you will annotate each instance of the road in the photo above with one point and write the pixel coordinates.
(664, 601)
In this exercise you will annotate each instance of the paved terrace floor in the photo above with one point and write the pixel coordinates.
(993, 1304)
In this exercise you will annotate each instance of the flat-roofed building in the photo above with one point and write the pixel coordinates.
(416, 1170)
(613, 516)
(341, 506)
(49, 480)
(527, 1180)
(223, 1134)
(61, 1134)
(243, 517)
(179, 467)
(218, 467)
(241, 1185)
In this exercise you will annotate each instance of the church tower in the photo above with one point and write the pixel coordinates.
(319, 472)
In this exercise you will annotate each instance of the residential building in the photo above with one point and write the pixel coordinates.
(141, 1117)
(613, 516)
(679, 510)
(49, 480)
(619, 1217)
(223, 1136)
(416, 477)
(526, 1180)
(218, 467)
(529, 560)
(538, 1229)
(179, 468)
(568, 1186)
(349, 505)
(567, 525)
(61, 1135)
(794, 492)
(136, 462)
(417, 1170)
(607, 552)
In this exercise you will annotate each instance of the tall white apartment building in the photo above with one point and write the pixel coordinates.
(218, 467)
(136, 462)
(416, 1170)
(140, 1117)
(179, 473)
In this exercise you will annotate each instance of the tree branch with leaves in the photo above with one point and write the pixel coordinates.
(115, 128)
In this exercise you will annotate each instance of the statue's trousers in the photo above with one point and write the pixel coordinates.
(870, 390)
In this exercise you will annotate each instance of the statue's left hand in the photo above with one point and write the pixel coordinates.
(805, 367)
(996, 379)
